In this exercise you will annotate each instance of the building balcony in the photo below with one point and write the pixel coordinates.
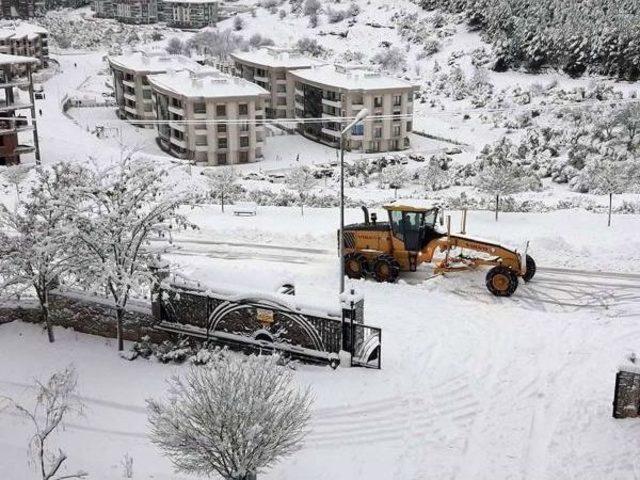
(329, 115)
(22, 149)
(15, 83)
(258, 78)
(13, 106)
(332, 133)
(130, 109)
(176, 110)
(129, 83)
(299, 92)
(178, 143)
(181, 127)
(298, 106)
(200, 129)
(14, 131)
(200, 115)
(202, 148)
(356, 107)
(332, 103)
(129, 96)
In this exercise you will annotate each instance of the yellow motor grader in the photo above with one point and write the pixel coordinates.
(411, 236)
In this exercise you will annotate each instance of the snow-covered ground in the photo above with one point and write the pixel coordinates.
(472, 386)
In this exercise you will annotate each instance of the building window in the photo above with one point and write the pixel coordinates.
(377, 102)
(281, 101)
(243, 127)
(377, 132)
(222, 158)
(357, 129)
(397, 130)
(375, 146)
(243, 157)
(222, 143)
(409, 126)
(243, 109)
(397, 100)
(201, 139)
(222, 128)
(200, 107)
(244, 141)
(146, 94)
(281, 75)
(221, 110)
(281, 88)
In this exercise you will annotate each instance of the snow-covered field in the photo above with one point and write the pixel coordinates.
(471, 387)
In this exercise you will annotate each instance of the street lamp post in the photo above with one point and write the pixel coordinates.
(361, 115)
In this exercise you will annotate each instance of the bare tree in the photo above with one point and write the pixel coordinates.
(126, 205)
(34, 245)
(175, 46)
(301, 181)
(223, 181)
(238, 23)
(54, 401)
(236, 417)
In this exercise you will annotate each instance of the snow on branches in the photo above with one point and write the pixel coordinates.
(235, 417)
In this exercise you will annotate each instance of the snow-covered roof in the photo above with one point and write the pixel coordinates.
(142, 62)
(206, 84)
(351, 77)
(276, 58)
(21, 30)
(6, 59)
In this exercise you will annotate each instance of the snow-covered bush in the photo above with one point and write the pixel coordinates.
(216, 43)
(251, 402)
(175, 46)
(310, 46)
(390, 59)
(256, 40)
(314, 20)
(311, 7)
(238, 23)
(394, 176)
(282, 14)
(432, 176)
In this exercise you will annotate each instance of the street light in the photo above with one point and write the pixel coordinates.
(361, 115)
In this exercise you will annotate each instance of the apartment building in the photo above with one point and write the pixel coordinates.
(190, 14)
(26, 40)
(131, 85)
(136, 11)
(21, 8)
(227, 106)
(334, 93)
(104, 8)
(16, 106)
(269, 68)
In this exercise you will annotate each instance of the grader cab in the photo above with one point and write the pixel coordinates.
(412, 236)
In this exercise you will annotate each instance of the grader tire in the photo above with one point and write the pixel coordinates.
(501, 281)
(355, 265)
(386, 269)
(531, 269)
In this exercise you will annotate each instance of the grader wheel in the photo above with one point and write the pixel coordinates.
(501, 281)
(531, 269)
(386, 269)
(355, 265)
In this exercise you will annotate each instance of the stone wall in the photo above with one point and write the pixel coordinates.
(87, 314)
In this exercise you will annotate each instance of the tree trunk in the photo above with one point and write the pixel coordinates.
(222, 201)
(119, 317)
(497, 205)
(45, 316)
(610, 208)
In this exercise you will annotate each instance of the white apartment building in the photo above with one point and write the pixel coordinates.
(131, 85)
(334, 93)
(269, 67)
(190, 14)
(209, 117)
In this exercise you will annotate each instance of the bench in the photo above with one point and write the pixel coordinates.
(245, 208)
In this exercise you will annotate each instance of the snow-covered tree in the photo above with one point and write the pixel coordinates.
(217, 43)
(126, 205)
(223, 181)
(311, 7)
(629, 120)
(235, 417)
(15, 175)
(55, 400)
(432, 177)
(499, 180)
(390, 59)
(395, 177)
(301, 181)
(175, 46)
(34, 246)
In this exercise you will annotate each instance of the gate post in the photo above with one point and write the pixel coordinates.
(159, 268)
(352, 312)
